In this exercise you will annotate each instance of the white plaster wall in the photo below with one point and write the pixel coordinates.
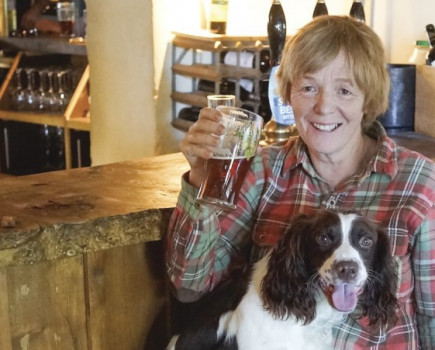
(130, 56)
(120, 51)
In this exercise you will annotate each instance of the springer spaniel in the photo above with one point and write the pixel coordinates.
(324, 267)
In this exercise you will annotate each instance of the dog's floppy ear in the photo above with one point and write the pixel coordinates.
(379, 302)
(284, 289)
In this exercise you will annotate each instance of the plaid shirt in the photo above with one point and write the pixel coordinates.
(397, 190)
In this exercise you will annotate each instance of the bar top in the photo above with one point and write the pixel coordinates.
(64, 213)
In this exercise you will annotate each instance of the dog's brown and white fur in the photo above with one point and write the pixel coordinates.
(324, 267)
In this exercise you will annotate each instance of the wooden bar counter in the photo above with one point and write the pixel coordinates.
(81, 265)
(80, 258)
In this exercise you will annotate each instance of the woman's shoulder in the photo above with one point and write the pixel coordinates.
(410, 158)
(391, 152)
(416, 168)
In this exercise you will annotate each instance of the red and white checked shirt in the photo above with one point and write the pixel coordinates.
(397, 190)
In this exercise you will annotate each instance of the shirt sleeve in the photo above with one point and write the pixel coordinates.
(202, 246)
(424, 273)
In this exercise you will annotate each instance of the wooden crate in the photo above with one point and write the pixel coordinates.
(425, 100)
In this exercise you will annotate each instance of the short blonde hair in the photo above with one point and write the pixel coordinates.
(320, 41)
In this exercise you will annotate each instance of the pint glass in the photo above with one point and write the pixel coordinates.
(226, 170)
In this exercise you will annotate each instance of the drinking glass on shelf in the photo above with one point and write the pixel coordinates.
(51, 95)
(31, 102)
(43, 98)
(66, 17)
(63, 96)
(17, 94)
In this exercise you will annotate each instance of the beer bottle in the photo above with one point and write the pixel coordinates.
(320, 9)
(430, 29)
(357, 11)
(276, 30)
(218, 16)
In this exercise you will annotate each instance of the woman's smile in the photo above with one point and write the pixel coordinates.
(326, 127)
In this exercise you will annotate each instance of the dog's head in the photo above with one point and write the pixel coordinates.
(343, 256)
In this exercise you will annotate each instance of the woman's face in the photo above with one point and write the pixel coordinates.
(328, 109)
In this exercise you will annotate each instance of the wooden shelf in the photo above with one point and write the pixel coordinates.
(185, 54)
(75, 117)
(181, 124)
(207, 41)
(197, 98)
(33, 117)
(44, 44)
(82, 124)
(215, 73)
(201, 71)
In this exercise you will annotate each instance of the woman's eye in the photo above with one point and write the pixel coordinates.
(345, 92)
(308, 88)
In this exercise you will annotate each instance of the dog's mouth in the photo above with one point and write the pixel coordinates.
(343, 297)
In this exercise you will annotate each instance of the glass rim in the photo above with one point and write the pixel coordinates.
(241, 113)
(64, 3)
(221, 97)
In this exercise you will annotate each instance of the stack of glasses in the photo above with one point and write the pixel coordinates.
(44, 90)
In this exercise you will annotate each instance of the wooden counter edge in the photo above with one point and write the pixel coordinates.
(71, 239)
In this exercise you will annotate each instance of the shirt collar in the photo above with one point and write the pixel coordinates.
(385, 161)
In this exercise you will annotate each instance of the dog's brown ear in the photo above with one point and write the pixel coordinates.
(379, 302)
(284, 289)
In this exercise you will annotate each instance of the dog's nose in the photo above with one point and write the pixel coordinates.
(346, 270)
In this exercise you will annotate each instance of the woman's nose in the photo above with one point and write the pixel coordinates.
(324, 103)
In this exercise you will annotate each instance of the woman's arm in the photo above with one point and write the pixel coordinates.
(424, 273)
(203, 248)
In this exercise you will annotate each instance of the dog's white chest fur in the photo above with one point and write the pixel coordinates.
(256, 329)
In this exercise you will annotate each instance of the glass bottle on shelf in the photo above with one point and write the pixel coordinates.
(218, 16)
(11, 16)
(320, 9)
(420, 52)
(357, 11)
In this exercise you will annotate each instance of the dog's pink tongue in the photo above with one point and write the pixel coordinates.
(344, 297)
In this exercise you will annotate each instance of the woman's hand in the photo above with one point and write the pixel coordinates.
(200, 141)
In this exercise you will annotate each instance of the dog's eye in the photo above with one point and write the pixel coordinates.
(323, 239)
(366, 242)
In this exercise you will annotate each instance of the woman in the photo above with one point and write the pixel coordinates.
(333, 73)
